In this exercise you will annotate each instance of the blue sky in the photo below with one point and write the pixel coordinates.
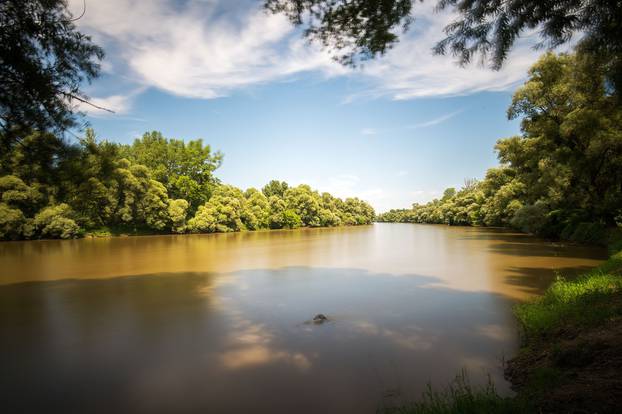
(396, 131)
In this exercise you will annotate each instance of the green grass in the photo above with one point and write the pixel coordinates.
(460, 397)
(585, 301)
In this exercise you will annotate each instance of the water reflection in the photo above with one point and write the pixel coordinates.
(472, 259)
(194, 342)
(217, 323)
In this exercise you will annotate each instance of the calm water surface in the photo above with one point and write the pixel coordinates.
(218, 323)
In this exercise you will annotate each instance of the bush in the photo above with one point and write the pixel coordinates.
(177, 210)
(56, 222)
(291, 220)
(530, 218)
(204, 221)
(12, 221)
(588, 233)
(15, 193)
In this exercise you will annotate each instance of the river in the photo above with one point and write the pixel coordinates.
(220, 322)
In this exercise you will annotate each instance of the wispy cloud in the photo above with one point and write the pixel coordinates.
(208, 49)
(435, 121)
(401, 173)
(200, 49)
(410, 70)
(423, 124)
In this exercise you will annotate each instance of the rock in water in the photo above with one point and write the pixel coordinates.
(320, 318)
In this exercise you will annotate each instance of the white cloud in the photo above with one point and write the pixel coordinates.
(410, 70)
(401, 173)
(210, 48)
(200, 49)
(119, 104)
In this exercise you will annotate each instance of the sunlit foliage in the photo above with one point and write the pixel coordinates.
(565, 168)
(53, 189)
(185, 168)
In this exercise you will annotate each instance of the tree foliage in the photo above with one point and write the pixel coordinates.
(44, 63)
(362, 29)
(230, 209)
(275, 188)
(52, 189)
(185, 168)
(564, 170)
(56, 222)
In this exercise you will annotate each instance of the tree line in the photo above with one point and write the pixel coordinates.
(562, 177)
(50, 188)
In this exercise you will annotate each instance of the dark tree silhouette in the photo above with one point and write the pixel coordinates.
(44, 62)
(362, 29)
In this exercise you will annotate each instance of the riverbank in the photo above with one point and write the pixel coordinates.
(572, 344)
(129, 231)
(570, 356)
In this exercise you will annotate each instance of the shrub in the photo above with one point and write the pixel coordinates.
(589, 233)
(12, 221)
(204, 221)
(291, 220)
(56, 222)
(530, 218)
(177, 210)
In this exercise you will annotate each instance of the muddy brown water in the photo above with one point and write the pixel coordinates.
(219, 323)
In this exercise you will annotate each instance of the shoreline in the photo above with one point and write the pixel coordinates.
(115, 235)
(570, 354)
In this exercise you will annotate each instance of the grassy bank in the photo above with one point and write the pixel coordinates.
(571, 355)
(572, 344)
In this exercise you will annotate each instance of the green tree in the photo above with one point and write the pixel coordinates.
(185, 168)
(177, 210)
(305, 203)
(56, 222)
(142, 201)
(561, 176)
(91, 187)
(280, 216)
(275, 188)
(256, 210)
(52, 189)
(356, 212)
(42, 159)
(570, 153)
(17, 194)
(12, 223)
(291, 220)
(222, 213)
